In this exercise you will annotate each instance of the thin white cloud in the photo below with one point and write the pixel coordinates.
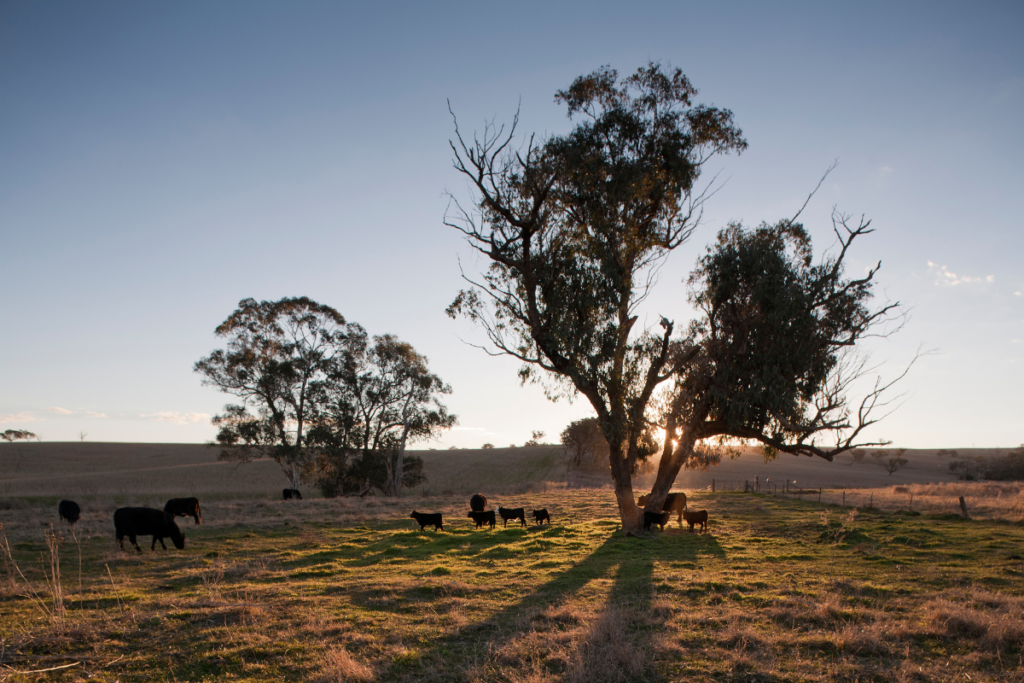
(23, 416)
(176, 418)
(60, 411)
(1016, 293)
(93, 413)
(944, 276)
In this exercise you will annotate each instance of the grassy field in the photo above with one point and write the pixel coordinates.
(349, 590)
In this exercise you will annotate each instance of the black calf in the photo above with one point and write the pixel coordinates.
(288, 494)
(512, 513)
(541, 515)
(482, 518)
(659, 518)
(425, 520)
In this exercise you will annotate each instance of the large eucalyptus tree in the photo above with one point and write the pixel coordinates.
(574, 227)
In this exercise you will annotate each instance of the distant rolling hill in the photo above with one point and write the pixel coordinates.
(141, 471)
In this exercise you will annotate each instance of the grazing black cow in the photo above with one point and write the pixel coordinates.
(698, 517)
(512, 513)
(659, 518)
(482, 518)
(674, 502)
(478, 503)
(425, 520)
(184, 507)
(132, 522)
(69, 510)
(541, 515)
(289, 494)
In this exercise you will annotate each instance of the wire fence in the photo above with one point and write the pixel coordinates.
(893, 498)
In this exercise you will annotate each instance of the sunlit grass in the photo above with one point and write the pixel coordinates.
(333, 590)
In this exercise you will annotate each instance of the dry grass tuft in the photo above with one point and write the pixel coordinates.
(340, 667)
(993, 621)
(607, 653)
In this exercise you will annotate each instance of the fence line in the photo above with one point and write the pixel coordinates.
(842, 497)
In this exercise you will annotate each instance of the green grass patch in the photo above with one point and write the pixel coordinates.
(768, 594)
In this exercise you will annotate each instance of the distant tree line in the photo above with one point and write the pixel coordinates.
(1005, 467)
(322, 398)
(12, 435)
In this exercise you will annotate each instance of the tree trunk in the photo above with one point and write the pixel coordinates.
(399, 464)
(668, 469)
(632, 517)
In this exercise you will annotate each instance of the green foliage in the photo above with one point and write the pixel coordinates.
(319, 398)
(583, 441)
(772, 336)
(276, 353)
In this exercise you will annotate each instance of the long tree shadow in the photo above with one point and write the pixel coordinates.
(615, 638)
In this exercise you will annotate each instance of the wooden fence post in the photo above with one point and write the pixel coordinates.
(871, 503)
(712, 486)
(844, 497)
(819, 494)
(963, 507)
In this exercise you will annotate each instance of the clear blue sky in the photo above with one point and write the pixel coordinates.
(161, 161)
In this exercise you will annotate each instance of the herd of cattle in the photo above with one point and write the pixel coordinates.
(674, 503)
(133, 522)
(160, 524)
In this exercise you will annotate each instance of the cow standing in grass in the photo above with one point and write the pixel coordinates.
(698, 518)
(426, 519)
(132, 522)
(659, 518)
(512, 513)
(184, 507)
(674, 502)
(69, 511)
(484, 517)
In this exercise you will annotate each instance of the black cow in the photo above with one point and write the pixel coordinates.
(132, 522)
(184, 507)
(425, 520)
(288, 494)
(659, 518)
(478, 503)
(674, 502)
(697, 517)
(541, 515)
(482, 518)
(512, 513)
(69, 510)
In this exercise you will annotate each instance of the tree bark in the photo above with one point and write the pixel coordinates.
(632, 517)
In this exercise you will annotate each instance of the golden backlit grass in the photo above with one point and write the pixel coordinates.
(350, 590)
